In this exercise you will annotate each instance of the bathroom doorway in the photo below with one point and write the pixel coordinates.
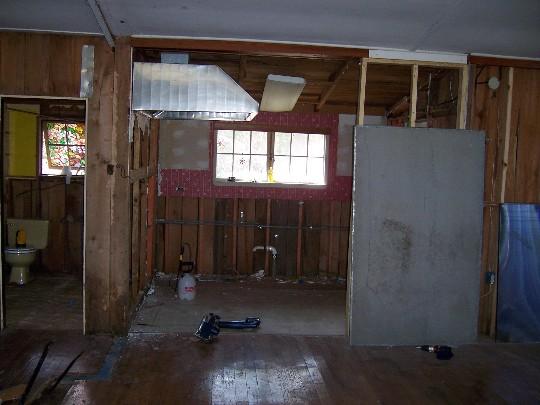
(44, 160)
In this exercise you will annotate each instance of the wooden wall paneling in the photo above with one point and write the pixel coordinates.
(246, 235)
(269, 237)
(98, 193)
(152, 199)
(64, 78)
(135, 164)
(160, 235)
(12, 63)
(53, 205)
(228, 238)
(190, 213)
(278, 215)
(120, 222)
(299, 234)
(344, 238)
(324, 250)
(487, 111)
(312, 238)
(74, 222)
(291, 238)
(234, 252)
(21, 198)
(36, 80)
(173, 234)
(335, 216)
(223, 237)
(523, 176)
(259, 235)
(206, 251)
(219, 237)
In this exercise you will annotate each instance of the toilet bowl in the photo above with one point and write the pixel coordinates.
(20, 258)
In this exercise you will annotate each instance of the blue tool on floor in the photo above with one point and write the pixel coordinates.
(211, 324)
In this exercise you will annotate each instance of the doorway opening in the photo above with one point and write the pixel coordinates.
(44, 161)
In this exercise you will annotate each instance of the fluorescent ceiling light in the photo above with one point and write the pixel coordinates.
(418, 56)
(281, 93)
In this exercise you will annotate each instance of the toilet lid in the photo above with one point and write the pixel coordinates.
(20, 250)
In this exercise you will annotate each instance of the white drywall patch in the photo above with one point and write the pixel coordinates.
(184, 144)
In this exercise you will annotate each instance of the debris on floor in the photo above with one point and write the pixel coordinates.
(442, 352)
(211, 324)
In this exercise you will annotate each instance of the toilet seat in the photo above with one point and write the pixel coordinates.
(19, 251)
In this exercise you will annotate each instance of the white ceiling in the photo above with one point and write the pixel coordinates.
(497, 27)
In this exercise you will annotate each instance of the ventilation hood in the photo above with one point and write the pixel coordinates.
(189, 92)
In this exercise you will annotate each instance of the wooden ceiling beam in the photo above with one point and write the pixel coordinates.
(334, 80)
(250, 47)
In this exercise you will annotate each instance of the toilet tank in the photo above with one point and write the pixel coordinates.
(37, 232)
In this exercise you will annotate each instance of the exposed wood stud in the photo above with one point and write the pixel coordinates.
(462, 98)
(267, 236)
(414, 96)
(508, 87)
(235, 236)
(334, 80)
(299, 240)
(362, 93)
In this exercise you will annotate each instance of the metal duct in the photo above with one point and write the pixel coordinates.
(198, 92)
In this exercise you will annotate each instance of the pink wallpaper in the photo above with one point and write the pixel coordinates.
(199, 183)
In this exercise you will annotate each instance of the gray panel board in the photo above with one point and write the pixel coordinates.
(417, 226)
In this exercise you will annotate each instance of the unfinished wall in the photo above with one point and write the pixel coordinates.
(308, 226)
(509, 116)
(49, 65)
(417, 236)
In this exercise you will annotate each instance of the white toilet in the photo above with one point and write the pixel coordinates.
(20, 259)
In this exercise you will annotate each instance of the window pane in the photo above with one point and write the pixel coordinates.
(258, 168)
(315, 171)
(259, 142)
(76, 156)
(241, 168)
(282, 144)
(56, 133)
(58, 156)
(241, 141)
(281, 169)
(299, 145)
(298, 169)
(316, 145)
(75, 134)
(224, 166)
(224, 141)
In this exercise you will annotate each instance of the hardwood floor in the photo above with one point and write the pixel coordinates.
(272, 369)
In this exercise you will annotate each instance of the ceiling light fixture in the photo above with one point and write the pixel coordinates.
(281, 93)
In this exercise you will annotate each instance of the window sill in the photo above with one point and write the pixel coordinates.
(226, 183)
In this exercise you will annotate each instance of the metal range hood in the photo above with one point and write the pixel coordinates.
(189, 92)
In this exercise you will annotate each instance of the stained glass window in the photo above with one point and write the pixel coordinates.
(64, 145)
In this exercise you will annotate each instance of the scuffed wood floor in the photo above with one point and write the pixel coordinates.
(271, 369)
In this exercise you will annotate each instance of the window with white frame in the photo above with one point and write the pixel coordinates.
(270, 157)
